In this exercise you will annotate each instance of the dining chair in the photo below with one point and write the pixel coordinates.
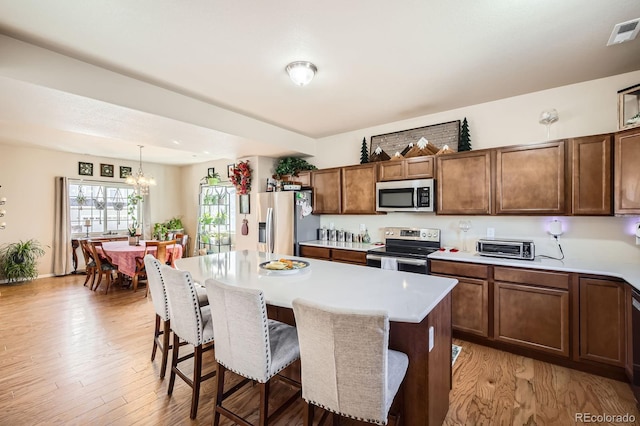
(161, 252)
(249, 344)
(347, 367)
(191, 323)
(183, 240)
(104, 265)
(89, 262)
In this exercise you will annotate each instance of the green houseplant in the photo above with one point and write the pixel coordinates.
(19, 261)
(291, 166)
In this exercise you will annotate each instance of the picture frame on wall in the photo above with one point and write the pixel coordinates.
(106, 170)
(244, 205)
(85, 169)
(230, 168)
(125, 172)
(211, 171)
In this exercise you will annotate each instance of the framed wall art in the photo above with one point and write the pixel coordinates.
(230, 168)
(437, 134)
(85, 169)
(125, 172)
(106, 170)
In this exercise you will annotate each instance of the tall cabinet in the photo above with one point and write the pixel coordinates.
(214, 219)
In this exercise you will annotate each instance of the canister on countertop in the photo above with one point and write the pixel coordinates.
(322, 234)
(348, 236)
(341, 236)
(332, 235)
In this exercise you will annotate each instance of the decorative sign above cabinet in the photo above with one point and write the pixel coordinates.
(437, 134)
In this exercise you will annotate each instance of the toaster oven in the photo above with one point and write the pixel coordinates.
(510, 249)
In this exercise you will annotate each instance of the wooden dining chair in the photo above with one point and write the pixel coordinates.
(104, 265)
(163, 253)
(183, 240)
(89, 262)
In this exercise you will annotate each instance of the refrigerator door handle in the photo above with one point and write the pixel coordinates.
(270, 230)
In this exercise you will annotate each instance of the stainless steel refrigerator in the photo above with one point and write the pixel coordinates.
(285, 219)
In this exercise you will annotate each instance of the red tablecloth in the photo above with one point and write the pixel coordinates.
(124, 255)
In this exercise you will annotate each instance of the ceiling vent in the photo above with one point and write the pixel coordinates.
(624, 31)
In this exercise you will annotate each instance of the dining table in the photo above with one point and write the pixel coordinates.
(124, 255)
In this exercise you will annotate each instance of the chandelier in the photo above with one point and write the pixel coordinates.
(140, 182)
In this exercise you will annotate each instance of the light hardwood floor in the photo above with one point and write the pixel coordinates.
(72, 356)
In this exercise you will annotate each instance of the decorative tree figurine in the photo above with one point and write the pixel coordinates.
(465, 138)
(364, 152)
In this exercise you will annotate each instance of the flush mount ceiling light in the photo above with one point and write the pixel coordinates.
(301, 72)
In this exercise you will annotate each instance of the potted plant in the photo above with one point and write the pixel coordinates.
(132, 208)
(290, 166)
(220, 219)
(18, 261)
(160, 231)
(175, 225)
(212, 178)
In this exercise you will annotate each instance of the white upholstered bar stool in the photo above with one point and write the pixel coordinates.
(159, 297)
(191, 323)
(249, 344)
(347, 367)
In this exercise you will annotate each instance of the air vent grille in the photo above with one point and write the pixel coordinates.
(624, 31)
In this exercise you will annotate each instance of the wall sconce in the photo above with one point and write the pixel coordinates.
(3, 200)
(2, 213)
(3, 225)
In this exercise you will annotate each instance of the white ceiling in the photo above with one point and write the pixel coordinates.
(378, 62)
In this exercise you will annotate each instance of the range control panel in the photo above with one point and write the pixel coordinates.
(415, 234)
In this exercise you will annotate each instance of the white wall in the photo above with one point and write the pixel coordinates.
(27, 176)
(584, 109)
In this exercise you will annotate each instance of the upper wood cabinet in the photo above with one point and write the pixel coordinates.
(603, 321)
(627, 172)
(409, 168)
(590, 175)
(530, 179)
(359, 189)
(345, 190)
(463, 183)
(326, 191)
(304, 178)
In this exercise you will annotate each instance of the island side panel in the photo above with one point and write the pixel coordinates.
(428, 381)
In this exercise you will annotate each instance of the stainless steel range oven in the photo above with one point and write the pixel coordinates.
(406, 249)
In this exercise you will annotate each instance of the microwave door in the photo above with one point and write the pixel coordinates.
(397, 198)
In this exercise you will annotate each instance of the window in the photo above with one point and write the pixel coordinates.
(99, 208)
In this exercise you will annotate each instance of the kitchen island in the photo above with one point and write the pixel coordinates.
(415, 304)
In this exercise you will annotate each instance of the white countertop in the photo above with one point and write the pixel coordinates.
(405, 296)
(341, 245)
(628, 271)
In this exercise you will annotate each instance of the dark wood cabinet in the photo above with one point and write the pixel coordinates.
(355, 257)
(469, 298)
(627, 172)
(590, 162)
(463, 183)
(603, 321)
(532, 317)
(530, 179)
(359, 189)
(326, 191)
(409, 168)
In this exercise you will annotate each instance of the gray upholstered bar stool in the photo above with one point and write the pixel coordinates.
(249, 344)
(159, 298)
(190, 322)
(347, 367)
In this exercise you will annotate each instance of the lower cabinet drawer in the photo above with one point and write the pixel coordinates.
(349, 256)
(533, 317)
(315, 252)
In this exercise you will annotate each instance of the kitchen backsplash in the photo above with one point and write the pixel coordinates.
(583, 237)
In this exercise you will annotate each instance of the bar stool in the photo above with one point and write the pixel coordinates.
(190, 322)
(249, 344)
(347, 367)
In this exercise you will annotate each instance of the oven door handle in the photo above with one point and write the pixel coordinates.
(415, 262)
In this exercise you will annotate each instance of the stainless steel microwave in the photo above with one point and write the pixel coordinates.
(405, 196)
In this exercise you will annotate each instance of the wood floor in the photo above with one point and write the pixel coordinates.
(72, 356)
